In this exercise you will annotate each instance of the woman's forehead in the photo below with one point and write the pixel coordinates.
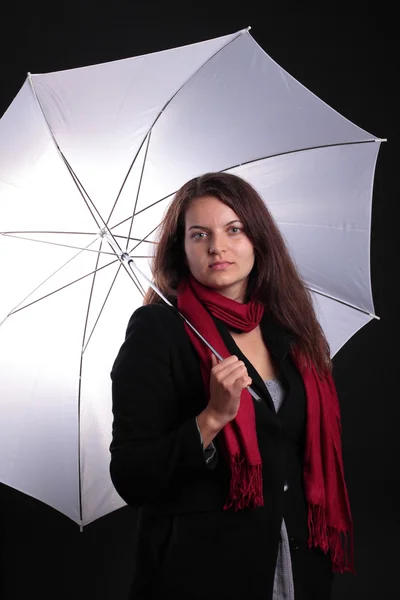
(209, 209)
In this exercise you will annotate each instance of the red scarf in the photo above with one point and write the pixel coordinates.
(329, 518)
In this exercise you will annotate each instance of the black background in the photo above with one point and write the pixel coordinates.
(348, 57)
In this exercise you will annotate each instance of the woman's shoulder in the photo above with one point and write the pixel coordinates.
(153, 330)
(156, 316)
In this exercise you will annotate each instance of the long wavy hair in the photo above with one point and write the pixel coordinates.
(274, 280)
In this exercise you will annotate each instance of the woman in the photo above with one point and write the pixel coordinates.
(236, 463)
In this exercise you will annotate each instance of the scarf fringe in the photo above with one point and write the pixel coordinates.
(246, 487)
(338, 542)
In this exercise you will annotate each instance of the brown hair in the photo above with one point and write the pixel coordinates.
(274, 280)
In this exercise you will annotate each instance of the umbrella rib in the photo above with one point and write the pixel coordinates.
(17, 309)
(20, 237)
(255, 160)
(138, 190)
(143, 210)
(75, 178)
(141, 290)
(101, 310)
(143, 240)
(240, 33)
(147, 136)
(86, 198)
(80, 390)
(46, 232)
(126, 177)
(81, 188)
(17, 234)
(363, 310)
(305, 149)
(70, 170)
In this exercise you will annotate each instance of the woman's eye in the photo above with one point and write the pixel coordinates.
(235, 229)
(199, 235)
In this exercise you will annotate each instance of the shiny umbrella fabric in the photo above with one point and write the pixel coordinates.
(94, 154)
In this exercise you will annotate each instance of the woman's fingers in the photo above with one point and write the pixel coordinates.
(228, 366)
(226, 363)
(230, 371)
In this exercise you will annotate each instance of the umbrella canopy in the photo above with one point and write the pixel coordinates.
(103, 149)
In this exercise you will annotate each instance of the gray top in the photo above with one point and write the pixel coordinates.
(283, 580)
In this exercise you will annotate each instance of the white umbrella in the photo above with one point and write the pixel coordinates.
(96, 153)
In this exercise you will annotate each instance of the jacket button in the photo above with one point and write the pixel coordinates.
(293, 543)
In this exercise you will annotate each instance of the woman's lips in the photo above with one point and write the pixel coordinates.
(220, 266)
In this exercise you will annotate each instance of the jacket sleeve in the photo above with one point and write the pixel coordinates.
(151, 439)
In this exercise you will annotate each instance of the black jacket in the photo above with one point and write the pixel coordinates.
(157, 463)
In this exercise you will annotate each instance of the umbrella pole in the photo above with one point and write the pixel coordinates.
(130, 265)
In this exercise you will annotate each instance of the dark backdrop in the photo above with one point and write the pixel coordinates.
(347, 56)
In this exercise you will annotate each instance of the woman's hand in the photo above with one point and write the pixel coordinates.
(227, 380)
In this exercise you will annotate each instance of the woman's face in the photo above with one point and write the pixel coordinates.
(218, 252)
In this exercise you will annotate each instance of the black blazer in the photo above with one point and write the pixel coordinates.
(157, 462)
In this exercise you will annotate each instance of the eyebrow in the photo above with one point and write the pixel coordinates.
(204, 227)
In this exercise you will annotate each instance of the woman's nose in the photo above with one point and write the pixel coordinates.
(217, 244)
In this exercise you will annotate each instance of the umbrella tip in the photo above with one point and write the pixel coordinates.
(248, 28)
